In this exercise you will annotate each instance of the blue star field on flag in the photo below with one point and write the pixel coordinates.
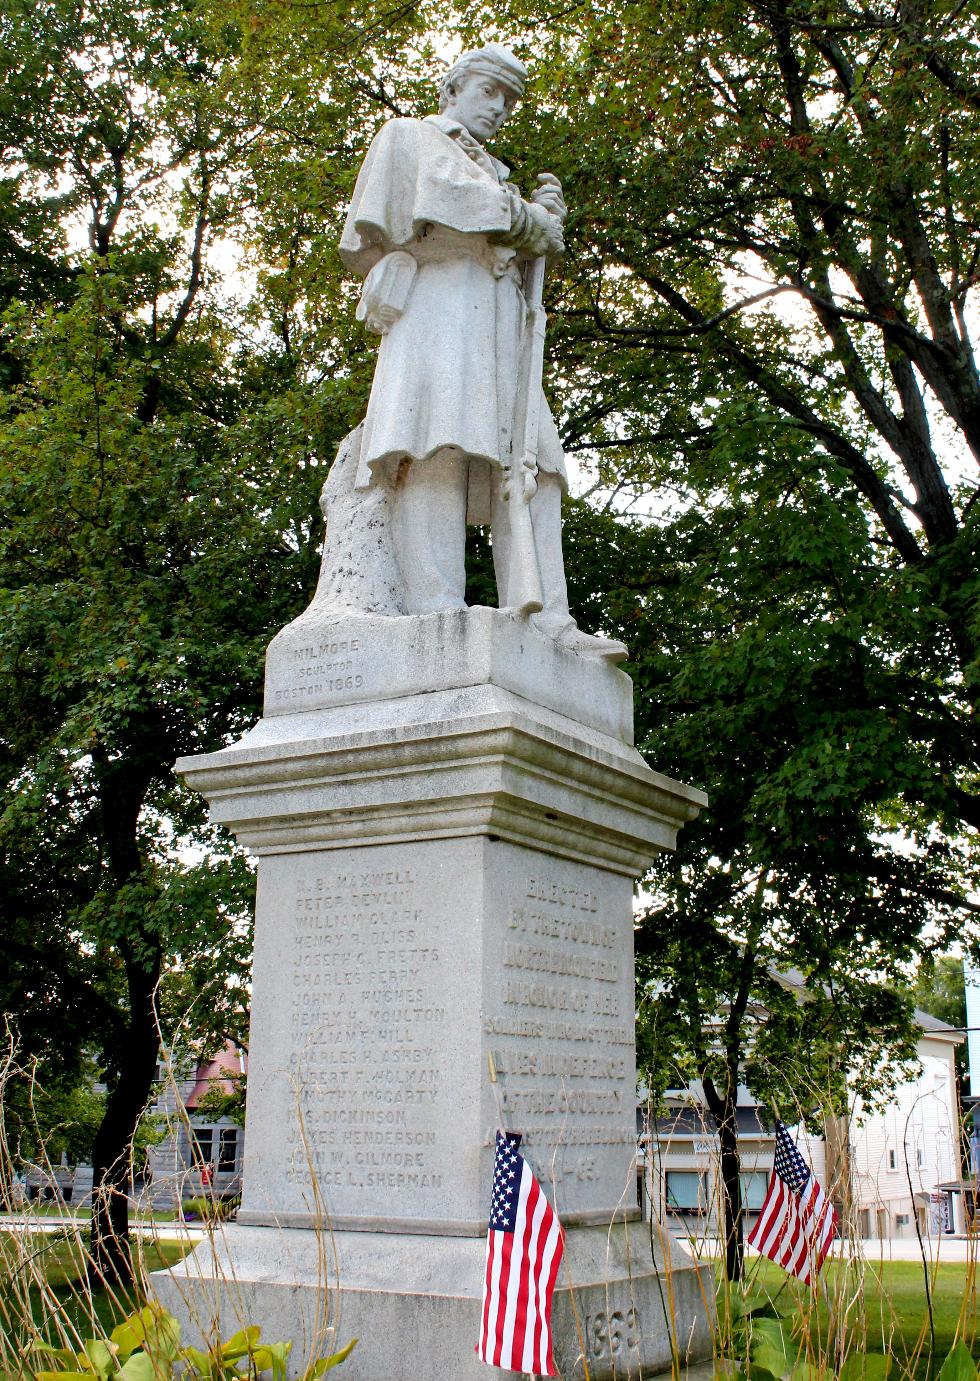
(790, 1165)
(506, 1182)
(524, 1251)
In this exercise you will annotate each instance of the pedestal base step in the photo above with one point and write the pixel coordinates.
(414, 1303)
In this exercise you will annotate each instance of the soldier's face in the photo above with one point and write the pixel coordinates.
(481, 106)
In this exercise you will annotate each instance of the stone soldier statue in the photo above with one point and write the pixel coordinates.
(442, 239)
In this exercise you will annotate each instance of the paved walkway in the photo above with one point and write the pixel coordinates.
(894, 1249)
(951, 1249)
(42, 1222)
(908, 1249)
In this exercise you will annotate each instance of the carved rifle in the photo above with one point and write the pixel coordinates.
(520, 476)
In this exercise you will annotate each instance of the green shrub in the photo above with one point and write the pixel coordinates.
(146, 1347)
(761, 1348)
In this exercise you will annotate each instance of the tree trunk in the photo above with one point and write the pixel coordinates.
(839, 1177)
(724, 1106)
(122, 791)
(732, 1191)
(723, 1109)
(110, 1257)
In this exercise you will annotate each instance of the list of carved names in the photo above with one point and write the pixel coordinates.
(370, 1031)
(367, 1018)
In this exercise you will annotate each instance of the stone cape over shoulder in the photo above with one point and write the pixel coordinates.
(447, 368)
(415, 175)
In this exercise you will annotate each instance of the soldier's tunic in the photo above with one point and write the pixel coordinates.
(447, 369)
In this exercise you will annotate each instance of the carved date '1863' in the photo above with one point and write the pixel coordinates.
(613, 1334)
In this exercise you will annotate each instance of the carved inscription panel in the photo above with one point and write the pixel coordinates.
(323, 670)
(560, 1024)
(384, 975)
(366, 1030)
(359, 1027)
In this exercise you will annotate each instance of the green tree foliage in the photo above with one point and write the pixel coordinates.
(783, 240)
(787, 869)
(43, 1122)
(162, 448)
(762, 320)
(216, 1103)
(118, 653)
(780, 706)
(763, 345)
(940, 991)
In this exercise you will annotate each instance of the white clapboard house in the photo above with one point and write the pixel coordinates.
(902, 1164)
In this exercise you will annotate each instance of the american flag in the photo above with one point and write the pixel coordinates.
(798, 1222)
(524, 1250)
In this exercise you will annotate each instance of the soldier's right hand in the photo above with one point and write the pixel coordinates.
(543, 233)
(549, 195)
(385, 291)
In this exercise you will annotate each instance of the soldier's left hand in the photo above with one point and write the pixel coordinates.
(549, 195)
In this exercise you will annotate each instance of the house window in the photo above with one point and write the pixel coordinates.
(228, 1150)
(891, 1160)
(754, 1185)
(920, 1158)
(686, 1191)
(203, 1145)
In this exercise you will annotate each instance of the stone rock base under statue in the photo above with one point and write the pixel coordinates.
(624, 1305)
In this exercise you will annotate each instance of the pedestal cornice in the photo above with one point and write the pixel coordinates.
(503, 772)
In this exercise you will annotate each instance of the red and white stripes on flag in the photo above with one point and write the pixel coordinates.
(524, 1251)
(797, 1222)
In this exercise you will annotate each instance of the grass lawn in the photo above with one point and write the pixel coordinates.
(880, 1309)
(888, 1315)
(27, 1259)
(52, 1209)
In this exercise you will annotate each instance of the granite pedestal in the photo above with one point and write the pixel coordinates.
(449, 818)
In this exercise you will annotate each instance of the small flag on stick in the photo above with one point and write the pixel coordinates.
(524, 1251)
(798, 1222)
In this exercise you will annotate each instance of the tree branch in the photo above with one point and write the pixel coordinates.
(864, 477)
(197, 257)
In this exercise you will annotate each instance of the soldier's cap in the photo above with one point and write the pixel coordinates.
(492, 60)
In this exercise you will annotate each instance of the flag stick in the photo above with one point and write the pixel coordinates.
(496, 1091)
